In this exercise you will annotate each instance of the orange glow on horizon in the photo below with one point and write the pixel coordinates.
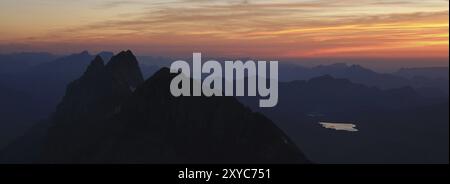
(283, 28)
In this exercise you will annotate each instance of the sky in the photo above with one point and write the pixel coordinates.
(242, 28)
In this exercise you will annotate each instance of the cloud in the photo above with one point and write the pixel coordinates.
(270, 27)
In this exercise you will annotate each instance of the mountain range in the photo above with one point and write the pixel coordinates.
(422, 81)
(394, 125)
(111, 115)
(402, 117)
(19, 62)
(426, 72)
(43, 82)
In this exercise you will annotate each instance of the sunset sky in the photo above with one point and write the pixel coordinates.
(283, 28)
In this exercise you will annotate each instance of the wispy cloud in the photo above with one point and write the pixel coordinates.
(284, 27)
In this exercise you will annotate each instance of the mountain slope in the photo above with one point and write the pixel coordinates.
(194, 130)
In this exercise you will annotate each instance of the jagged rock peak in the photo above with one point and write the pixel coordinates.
(123, 57)
(125, 68)
(95, 64)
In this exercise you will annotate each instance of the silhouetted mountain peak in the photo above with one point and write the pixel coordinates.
(125, 68)
(100, 88)
(198, 129)
(125, 54)
(106, 55)
(95, 123)
(95, 65)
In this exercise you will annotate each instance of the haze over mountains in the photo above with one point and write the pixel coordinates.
(428, 72)
(355, 73)
(43, 83)
(106, 107)
(395, 125)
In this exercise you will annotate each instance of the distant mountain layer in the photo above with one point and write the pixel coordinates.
(395, 125)
(401, 117)
(42, 78)
(426, 72)
(46, 81)
(19, 62)
(358, 74)
(110, 115)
